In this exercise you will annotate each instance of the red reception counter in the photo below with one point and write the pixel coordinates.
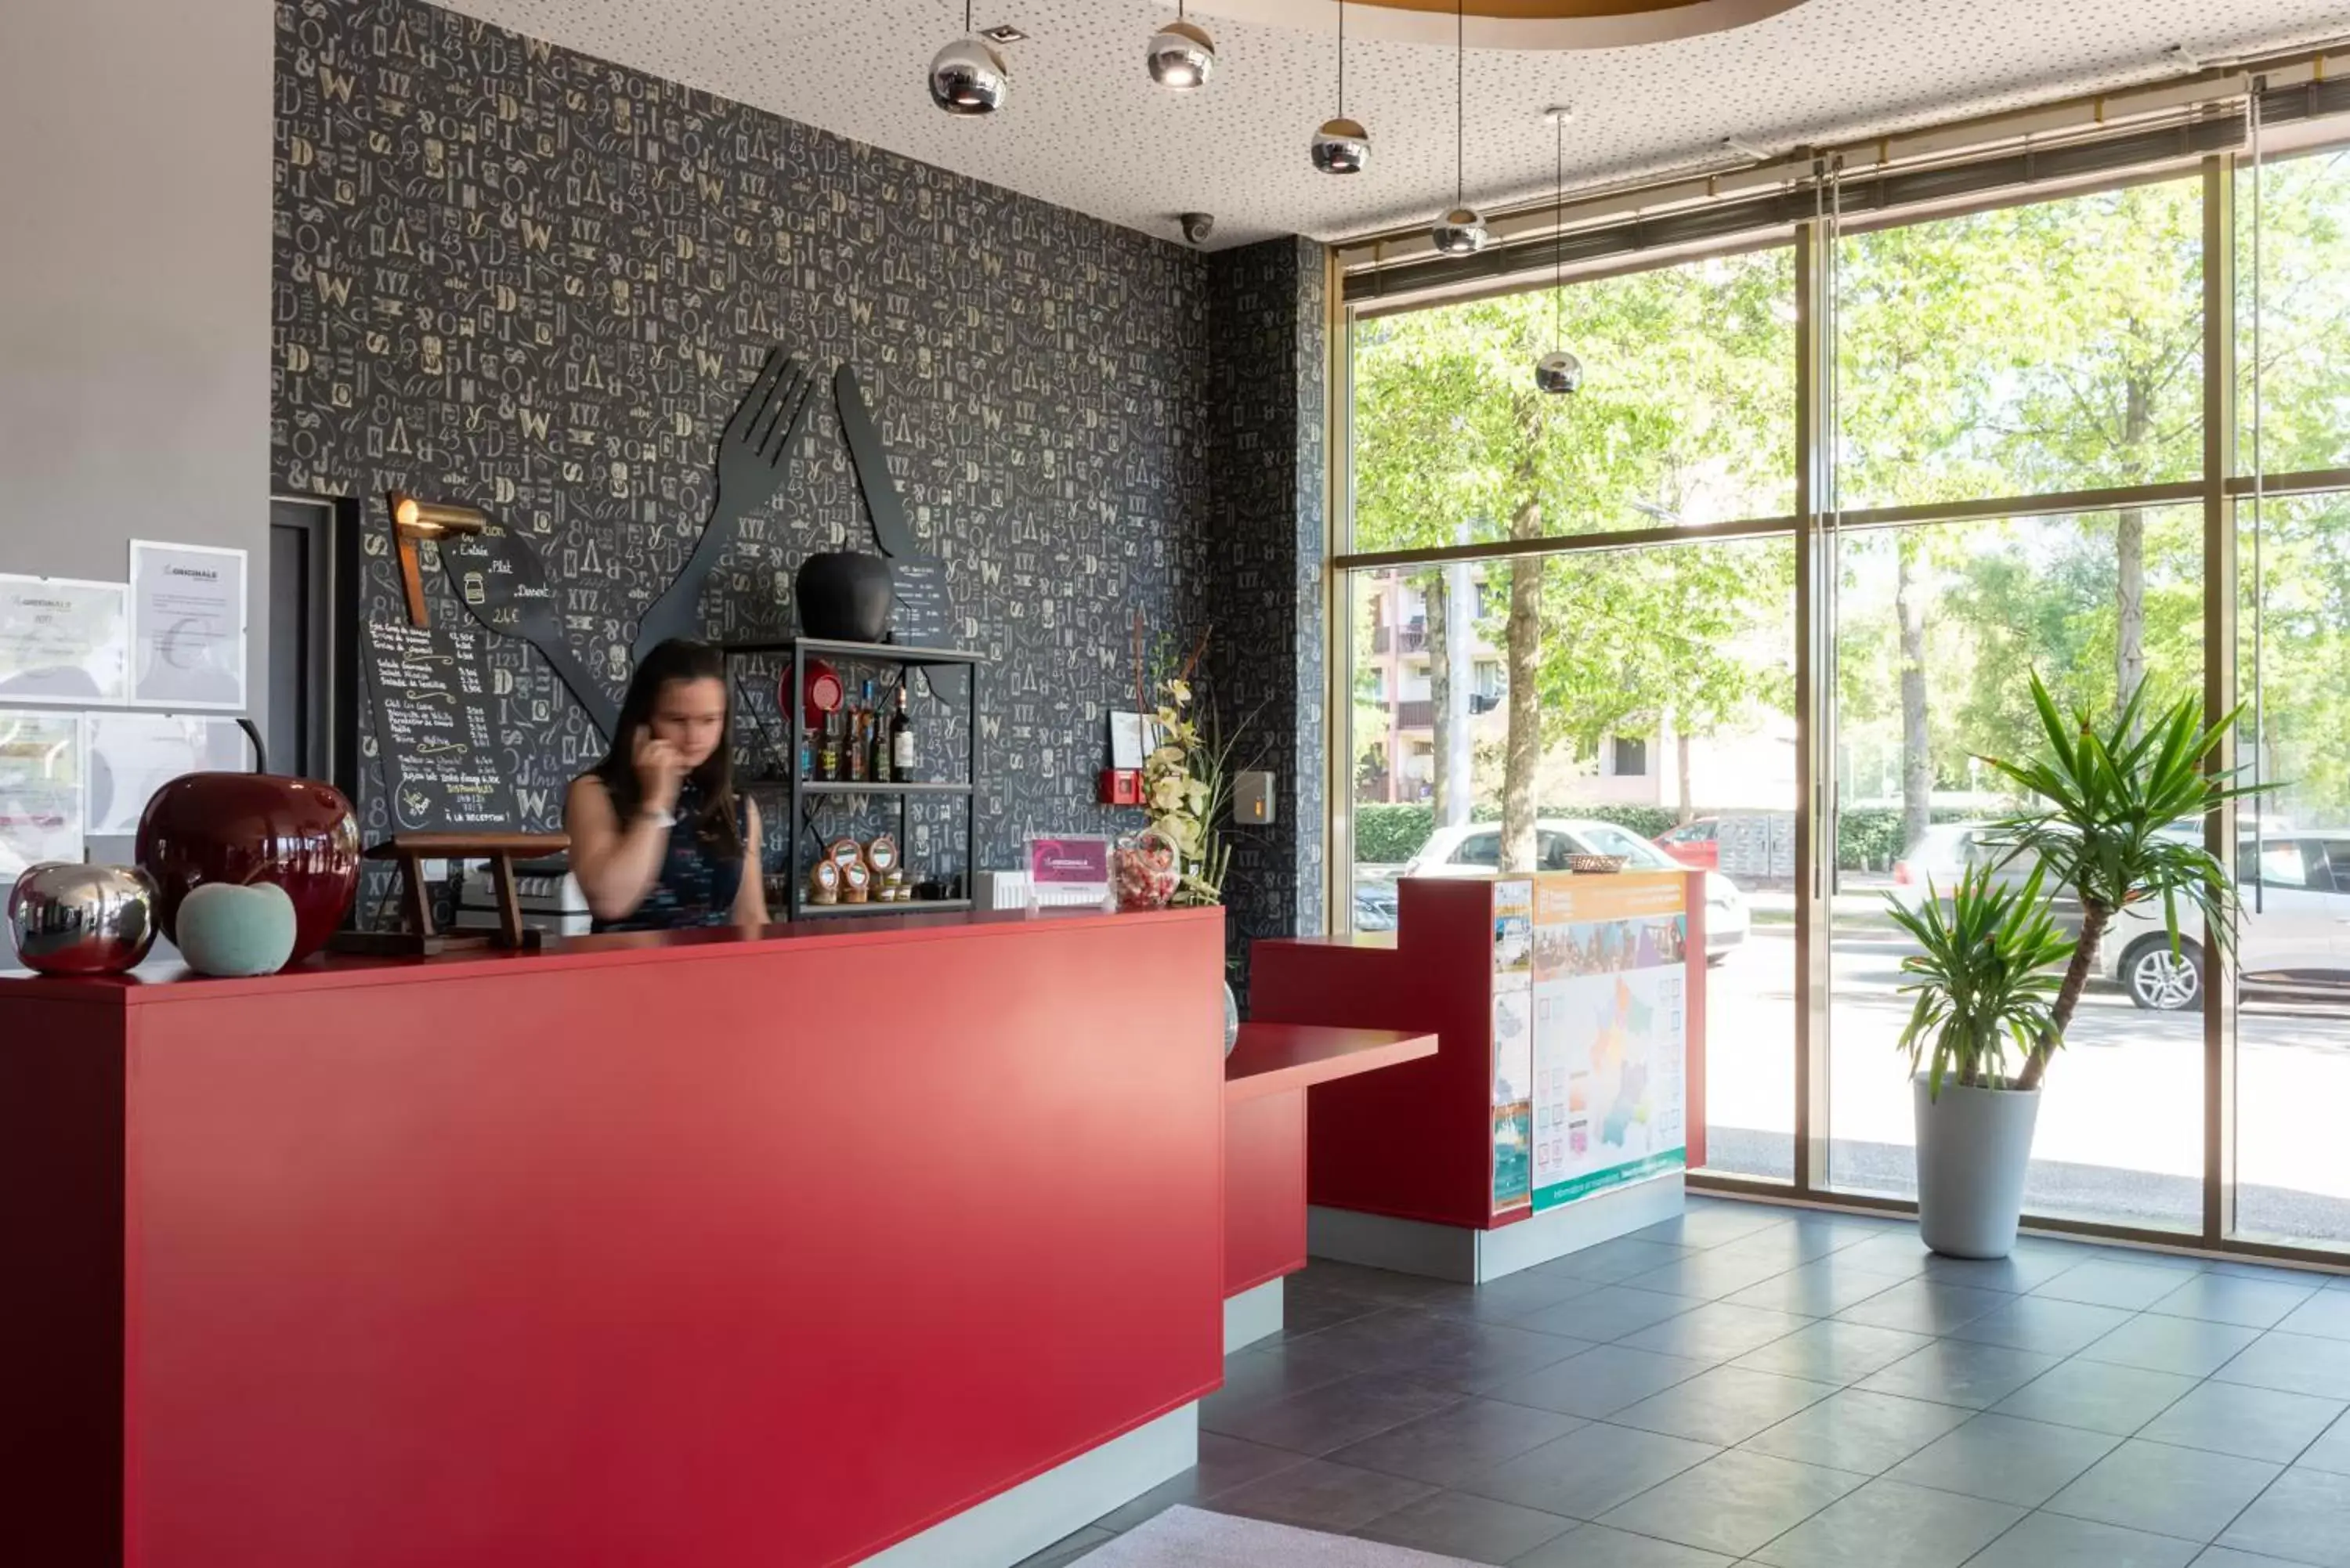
(704, 1249)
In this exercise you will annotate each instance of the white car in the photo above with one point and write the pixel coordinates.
(2293, 932)
(1474, 850)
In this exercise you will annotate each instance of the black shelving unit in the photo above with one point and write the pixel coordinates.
(809, 798)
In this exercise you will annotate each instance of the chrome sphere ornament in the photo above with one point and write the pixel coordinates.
(1341, 147)
(1181, 55)
(72, 919)
(969, 77)
(1558, 371)
(1460, 232)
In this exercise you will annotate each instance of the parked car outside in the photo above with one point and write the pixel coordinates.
(2293, 933)
(1696, 845)
(1474, 850)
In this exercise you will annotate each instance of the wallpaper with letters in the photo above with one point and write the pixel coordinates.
(514, 276)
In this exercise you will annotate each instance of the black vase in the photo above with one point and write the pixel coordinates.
(844, 595)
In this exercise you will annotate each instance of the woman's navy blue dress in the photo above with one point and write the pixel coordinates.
(697, 879)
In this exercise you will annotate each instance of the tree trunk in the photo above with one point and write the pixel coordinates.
(2129, 562)
(1917, 760)
(1440, 694)
(1688, 813)
(2094, 917)
(1523, 759)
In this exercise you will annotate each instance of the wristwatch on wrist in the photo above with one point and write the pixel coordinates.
(665, 818)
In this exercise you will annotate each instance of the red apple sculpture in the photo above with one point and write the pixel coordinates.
(297, 834)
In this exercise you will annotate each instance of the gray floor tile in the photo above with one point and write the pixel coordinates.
(2133, 1285)
(2305, 1517)
(1382, 1286)
(1068, 1549)
(1834, 1352)
(1460, 1441)
(2052, 1327)
(2169, 1492)
(1858, 1431)
(2053, 1541)
(1491, 1353)
(2144, 1258)
(1598, 1382)
(1715, 1332)
(2005, 1459)
(2224, 1298)
(1732, 1503)
(2273, 1273)
(1959, 1372)
(1609, 1313)
(1322, 1419)
(2226, 1557)
(1714, 1224)
(2018, 1271)
(1304, 1311)
(1612, 1261)
(2296, 1363)
(1710, 1275)
(1224, 1463)
(1725, 1407)
(1516, 1296)
(1926, 1306)
(2332, 1451)
(1596, 1546)
(2097, 1396)
(1886, 1524)
(1816, 1290)
(1589, 1470)
(1319, 1495)
(1455, 1524)
(2189, 1347)
(1899, 1252)
(2326, 1314)
(2255, 1423)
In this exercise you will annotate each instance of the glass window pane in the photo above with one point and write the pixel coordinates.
(1687, 647)
(2294, 326)
(1687, 411)
(1936, 627)
(2022, 351)
(2292, 1022)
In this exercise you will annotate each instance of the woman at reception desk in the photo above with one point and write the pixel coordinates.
(660, 839)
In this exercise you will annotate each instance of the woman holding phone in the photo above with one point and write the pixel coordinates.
(659, 840)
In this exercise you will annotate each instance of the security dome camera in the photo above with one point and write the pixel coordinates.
(1197, 226)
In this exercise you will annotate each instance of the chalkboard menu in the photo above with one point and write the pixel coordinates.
(433, 729)
(922, 613)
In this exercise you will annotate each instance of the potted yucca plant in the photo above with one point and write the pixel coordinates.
(1985, 977)
(2118, 821)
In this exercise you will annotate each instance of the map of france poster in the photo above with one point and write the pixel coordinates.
(1611, 1033)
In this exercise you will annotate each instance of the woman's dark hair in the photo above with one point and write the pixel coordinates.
(678, 658)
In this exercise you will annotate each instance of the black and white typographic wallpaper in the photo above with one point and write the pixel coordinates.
(515, 276)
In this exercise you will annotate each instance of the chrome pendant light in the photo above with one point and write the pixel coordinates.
(969, 77)
(1181, 55)
(1342, 146)
(1461, 231)
(1558, 371)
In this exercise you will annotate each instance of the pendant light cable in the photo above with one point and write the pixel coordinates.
(1557, 224)
(1460, 109)
(2260, 518)
(1342, 59)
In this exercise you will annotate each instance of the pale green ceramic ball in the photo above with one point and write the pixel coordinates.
(227, 929)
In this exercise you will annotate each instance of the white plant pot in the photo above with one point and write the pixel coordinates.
(1973, 1145)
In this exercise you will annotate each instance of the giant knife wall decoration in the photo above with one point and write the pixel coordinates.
(923, 615)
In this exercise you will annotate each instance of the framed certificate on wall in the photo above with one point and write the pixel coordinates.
(64, 639)
(187, 625)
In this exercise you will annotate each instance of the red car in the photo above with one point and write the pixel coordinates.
(1693, 844)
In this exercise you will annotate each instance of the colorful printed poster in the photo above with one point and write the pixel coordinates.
(1512, 1100)
(1513, 936)
(1611, 1033)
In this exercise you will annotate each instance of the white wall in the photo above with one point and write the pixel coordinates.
(134, 284)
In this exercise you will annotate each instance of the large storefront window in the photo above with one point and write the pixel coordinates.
(1936, 627)
(1646, 699)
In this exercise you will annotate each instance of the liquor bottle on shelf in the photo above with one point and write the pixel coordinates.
(901, 741)
(858, 754)
(828, 758)
(877, 740)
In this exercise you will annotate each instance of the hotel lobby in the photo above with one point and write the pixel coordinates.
(1304, 784)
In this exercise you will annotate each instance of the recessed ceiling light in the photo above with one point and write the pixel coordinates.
(1003, 33)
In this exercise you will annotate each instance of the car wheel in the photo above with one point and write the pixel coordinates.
(2160, 980)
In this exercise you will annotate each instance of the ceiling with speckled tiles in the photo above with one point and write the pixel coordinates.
(1086, 127)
